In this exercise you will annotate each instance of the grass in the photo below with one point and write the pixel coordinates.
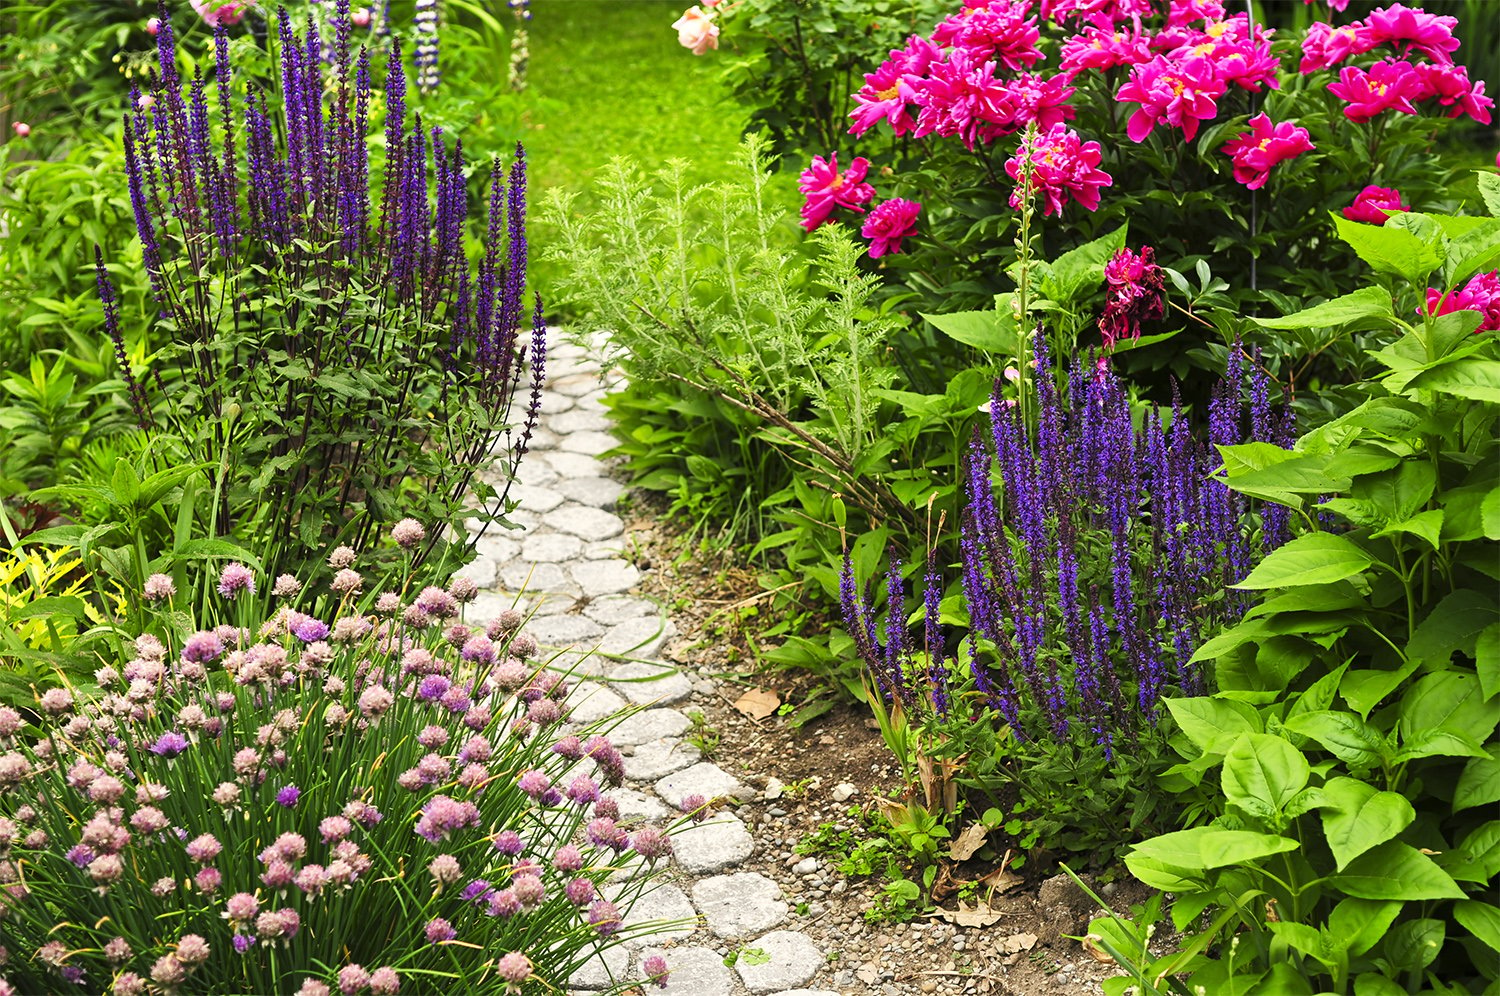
(607, 78)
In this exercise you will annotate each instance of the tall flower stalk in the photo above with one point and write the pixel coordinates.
(332, 340)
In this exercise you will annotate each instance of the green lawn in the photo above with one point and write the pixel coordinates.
(607, 78)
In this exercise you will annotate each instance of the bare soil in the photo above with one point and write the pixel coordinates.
(1027, 949)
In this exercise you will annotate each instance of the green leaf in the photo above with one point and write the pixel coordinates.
(1081, 269)
(1364, 690)
(1438, 743)
(1415, 944)
(1316, 558)
(1346, 736)
(1283, 481)
(212, 549)
(1487, 660)
(1213, 724)
(1371, 984)
(1447, 700)
(1489, 190)
(1361, 923)
(126, 485)
(1202, 848)
(1426, 526)
(1265, 769)
(1359, 818)
(993, 331)
(1389, 249)
(1396, 871)
(1479, 785)
(1480, 919)
(1454, 624)
(1489, 514)
(1477, 856)
(1362, 303)
(1471, 377)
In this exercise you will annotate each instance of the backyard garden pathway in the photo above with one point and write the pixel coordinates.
(571, 560)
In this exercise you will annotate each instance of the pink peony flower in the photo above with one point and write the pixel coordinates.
(221, 13)
(888, 224)
(892, 87)
(1255, 151)
(1094, 48)
(1450, 85)
(1481, 294)
(1332, 4)
(962, 97)
(1176, 93)
(696, 30)
(1411, 30)
(1239, 52)
(1133, 294)
(826, 189)
(1371, 204)
(1061, 166)
(1103, 14)
(1387, 86)
(997, 30)
(1325, 46)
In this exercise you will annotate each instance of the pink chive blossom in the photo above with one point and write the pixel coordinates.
(514, 968)
(1061, 166)
(408, 533)
(1388, 86)
(158, 588)
(439, 930)
(825, 189)
(888, 223)
(55, 701)
(1481, 294)
(445, 869)
(236, 579)
(503, 904)
(286, 586)
(655, 969)
(353, 978)
(604, 917)
(1371, 204)
(442, 816)
(1181, 94)
(384, 981)
(204, 848)
(1256, 151)
(1133, 294)
(1412, 30)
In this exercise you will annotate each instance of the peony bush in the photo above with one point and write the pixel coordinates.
(382, 798)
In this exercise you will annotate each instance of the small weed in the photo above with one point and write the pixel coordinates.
(751, 956)
(701, 735)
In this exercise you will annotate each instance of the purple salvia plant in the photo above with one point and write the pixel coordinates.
(282, 289)
(1096, 551)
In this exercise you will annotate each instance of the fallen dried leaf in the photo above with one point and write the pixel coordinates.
(758, 703)
(979, 916)
(1096, 952)
(1002, 879)
(1016, 943)
(968, 842)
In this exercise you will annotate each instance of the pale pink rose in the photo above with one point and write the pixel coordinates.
(696, 30)
(360, 17)
(21, 128)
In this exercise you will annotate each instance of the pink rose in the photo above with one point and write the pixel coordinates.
(1372, 203)
(888, 224)
(696, 30)
(21, 128)
(221, 13)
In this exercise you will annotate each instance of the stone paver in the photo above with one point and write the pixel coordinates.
(694, 971)
(790, 960)
(719, 842)
(567, 566)
(705, 779)
(740, 905)
(646, 682)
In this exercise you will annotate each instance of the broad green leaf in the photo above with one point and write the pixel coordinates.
(1302, 938)
(126, 485)
(1473, 251)
(1396, 871)
(1487, 658)
(210, 549)
(1244, 458)
(1361, 923)
(1393, 418)
(1357, 461)
(1362, 303)
(1389, 249)
(1213, 724)
(1489, 515)
(1325, 598)
(1245, 632)
(1414, 944)
(1203, 848)
(1320, 694)
(1479, 785)
(1359, 818)
(1167, 876)
(1082, 269)
(1263, 768)
(1471, 377)
(1316, 558)
(1344, 735)
(1489, 190)
(1426, 526)
(1477, 856)
(1438, 743)
(1447, 700)
(1480, 919)
(1283, 481)
(993, 331)
(1371, 984)
(1364, 690)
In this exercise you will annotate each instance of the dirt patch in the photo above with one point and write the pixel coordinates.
(1025, 951)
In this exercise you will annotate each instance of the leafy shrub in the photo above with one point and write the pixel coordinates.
(377, 793)
(1095, 551)
(336, 365)
(1347, 764)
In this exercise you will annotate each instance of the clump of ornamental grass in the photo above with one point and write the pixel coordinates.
(324, 344)
(382, 799)
(1098, 552)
